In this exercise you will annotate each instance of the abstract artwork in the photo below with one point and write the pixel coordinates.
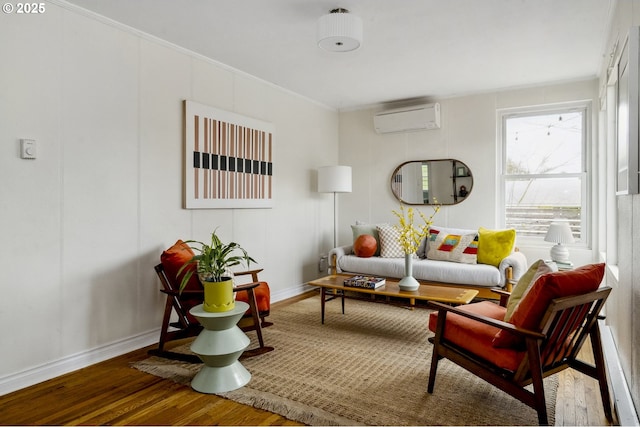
(228, 159)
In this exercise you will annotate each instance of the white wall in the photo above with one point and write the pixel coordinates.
(468, 133)
(624, 278)
(83, 225)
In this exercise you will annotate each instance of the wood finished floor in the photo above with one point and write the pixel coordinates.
(113, 393)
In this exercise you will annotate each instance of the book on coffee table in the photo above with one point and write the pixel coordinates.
(368, 282)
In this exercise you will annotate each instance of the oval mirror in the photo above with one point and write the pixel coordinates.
(429, 182)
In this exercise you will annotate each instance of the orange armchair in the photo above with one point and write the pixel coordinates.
(542, 337)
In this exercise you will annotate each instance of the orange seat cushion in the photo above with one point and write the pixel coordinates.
(477, 337)
(263, 297)
(534, 303)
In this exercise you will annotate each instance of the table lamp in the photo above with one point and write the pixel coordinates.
(559, 233)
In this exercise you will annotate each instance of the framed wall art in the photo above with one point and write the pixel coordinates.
(228, 159)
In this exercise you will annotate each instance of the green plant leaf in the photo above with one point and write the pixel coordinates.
(214, 259)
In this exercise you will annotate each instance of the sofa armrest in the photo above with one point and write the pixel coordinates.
(335, 254)
(517, 262)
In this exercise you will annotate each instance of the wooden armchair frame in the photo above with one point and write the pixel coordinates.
(563, 330)
(185, 326)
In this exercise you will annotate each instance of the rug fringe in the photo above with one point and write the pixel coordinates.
(288, 408)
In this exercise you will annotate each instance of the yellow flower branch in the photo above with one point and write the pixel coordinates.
(410, 235)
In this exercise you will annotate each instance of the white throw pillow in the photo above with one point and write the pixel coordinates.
(389, 242)
(453, 245)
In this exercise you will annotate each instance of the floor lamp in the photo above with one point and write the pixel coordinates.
(334, 179)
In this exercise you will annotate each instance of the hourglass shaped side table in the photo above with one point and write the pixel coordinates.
(219, 345)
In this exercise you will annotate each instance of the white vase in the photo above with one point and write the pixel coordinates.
(408, 282)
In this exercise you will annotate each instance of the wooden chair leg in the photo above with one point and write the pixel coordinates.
(432, 372)
(254, 313)
(601, 371)
(535, 364)
(165, 323)
(264, 320)
(435, 356)
(166, 335)
(257, 326)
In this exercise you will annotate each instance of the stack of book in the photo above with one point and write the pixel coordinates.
(368, 282)
(564, 265)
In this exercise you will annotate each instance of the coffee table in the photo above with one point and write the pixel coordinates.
(426, 292)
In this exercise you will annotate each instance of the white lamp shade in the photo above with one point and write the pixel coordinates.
(339, 32)
(334, 179)
(559, 232)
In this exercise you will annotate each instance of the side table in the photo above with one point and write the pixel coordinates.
(219, 345)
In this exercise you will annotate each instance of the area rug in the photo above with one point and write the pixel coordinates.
(369, 366)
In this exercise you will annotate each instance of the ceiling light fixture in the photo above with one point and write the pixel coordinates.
(339, 31)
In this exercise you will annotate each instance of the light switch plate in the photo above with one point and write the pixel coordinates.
(27, 149)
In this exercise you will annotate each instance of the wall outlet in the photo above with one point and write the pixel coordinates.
(323, 265)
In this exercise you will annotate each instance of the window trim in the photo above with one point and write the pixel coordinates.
(586, 174)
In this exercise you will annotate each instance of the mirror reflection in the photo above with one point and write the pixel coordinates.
(428, 182)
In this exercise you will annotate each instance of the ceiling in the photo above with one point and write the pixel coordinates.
(412, 49)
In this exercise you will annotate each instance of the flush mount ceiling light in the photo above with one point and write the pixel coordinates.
(339, 31)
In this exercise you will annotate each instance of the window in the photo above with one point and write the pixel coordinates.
(425, 181)
(544, 170)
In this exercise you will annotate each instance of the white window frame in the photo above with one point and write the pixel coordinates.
(586, 174)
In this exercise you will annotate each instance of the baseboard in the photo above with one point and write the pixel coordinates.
(291, 292)
(622, 401)
(49, 370)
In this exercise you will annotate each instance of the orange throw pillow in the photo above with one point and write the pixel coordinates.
(528, 314)
(173, 259)
(365, 246)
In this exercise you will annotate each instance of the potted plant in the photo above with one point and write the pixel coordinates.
(213, 265)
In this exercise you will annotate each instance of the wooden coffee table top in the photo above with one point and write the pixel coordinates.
(426, 292)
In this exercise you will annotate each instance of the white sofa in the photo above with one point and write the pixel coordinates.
(482, 277)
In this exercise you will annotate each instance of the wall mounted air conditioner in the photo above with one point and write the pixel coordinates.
(408, 119)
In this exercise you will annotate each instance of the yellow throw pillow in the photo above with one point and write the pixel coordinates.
(495, 245)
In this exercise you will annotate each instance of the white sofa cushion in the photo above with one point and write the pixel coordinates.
(427, 270)
(430, 270)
